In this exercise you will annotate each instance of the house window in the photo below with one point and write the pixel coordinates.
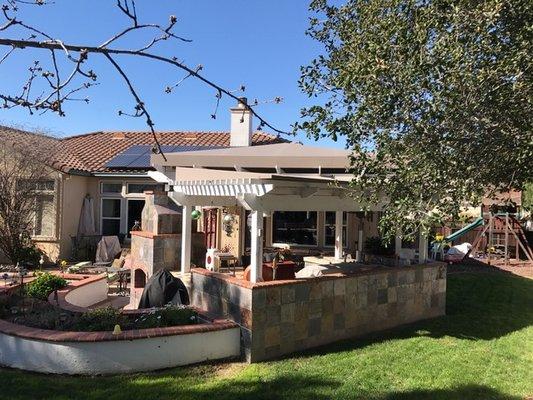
(45, 215)
(111, 210)
(295, 227)
(142, 187)
(111, 188)
(329, 229)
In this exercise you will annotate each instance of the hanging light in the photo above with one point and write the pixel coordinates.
(227, 223)
(195, 214)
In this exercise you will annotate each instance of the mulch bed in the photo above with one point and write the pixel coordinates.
(475, 266)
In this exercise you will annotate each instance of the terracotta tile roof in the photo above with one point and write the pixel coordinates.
(90, 152)
(47, 149)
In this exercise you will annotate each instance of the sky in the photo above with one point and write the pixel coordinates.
(256, 43)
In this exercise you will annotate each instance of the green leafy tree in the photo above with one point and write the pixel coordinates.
(434, 97)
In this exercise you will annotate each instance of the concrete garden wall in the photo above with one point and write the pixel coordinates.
(91, 293)
(281, 317)
(82, 291)
(61, 352)
(104, 353)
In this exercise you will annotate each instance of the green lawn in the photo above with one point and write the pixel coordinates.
(482, 349)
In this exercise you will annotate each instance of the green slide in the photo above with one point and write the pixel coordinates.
(478, 222)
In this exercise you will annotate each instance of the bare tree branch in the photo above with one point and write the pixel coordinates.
(53, 97)
(140, 108)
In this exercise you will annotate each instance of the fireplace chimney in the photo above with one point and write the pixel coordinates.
(241, 124)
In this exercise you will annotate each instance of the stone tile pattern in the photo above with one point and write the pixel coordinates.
(156, 252)
(160, 214)
(225, 299)
(27, 332)
(281, 319)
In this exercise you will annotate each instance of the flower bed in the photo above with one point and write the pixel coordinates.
(93, 353)
(66, 308)
(63, 336)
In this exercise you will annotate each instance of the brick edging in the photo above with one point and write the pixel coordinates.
(79, 281)
(46, 335)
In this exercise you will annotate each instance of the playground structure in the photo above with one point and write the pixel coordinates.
(500, 238)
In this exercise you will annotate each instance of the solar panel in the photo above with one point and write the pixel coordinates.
(138, 156)
(121, 160)
(141, 161)
(137, 149)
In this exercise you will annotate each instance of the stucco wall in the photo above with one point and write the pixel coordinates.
(280, 318)
(75, 188)
(117, 356)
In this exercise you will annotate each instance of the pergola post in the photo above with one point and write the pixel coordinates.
(256, 256)
(359, 254)
(397, 244)
(338, 235)
(186, 238)
(422, 248)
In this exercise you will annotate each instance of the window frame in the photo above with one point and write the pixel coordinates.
(344, 230)
(137, 194)
(124, 197)
(55, 200)
(294, 245)
(111, 194)
(119, 218)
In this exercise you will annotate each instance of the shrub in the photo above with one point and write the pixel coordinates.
(29, 256)
(47, 318)
(100, 319)
(376, 246)
(44, 284)
(167, 316)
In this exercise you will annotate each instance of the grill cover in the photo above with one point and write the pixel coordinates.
(163, 288)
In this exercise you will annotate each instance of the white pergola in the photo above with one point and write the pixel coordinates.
(224, 177)
(261, 194)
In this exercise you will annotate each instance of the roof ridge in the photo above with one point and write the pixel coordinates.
(57, 159)
(48, 136)
(94, 133)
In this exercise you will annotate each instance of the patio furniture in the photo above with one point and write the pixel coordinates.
(327, 265)
(226, 261)
(84, 247)
(123, 279)
(284, 271)
(108, 248)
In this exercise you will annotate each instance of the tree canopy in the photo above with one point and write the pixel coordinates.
(434, 97)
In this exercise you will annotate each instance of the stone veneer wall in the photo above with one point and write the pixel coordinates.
(278, 318)
(153, 252)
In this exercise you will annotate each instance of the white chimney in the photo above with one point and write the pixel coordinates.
(241, 124)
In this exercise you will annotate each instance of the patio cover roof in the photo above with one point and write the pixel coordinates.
(264, 179)
(259, 191)
(279, 156)
(225, 177)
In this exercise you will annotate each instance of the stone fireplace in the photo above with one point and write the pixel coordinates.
(157, 246)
